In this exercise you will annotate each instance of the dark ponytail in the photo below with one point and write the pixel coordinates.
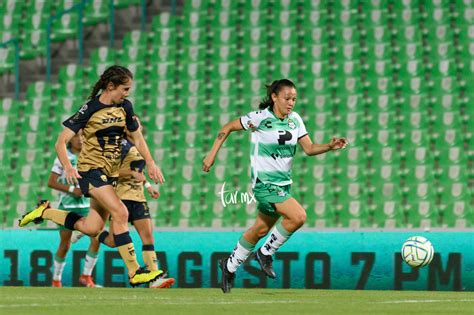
(275, 87)
(115, 74)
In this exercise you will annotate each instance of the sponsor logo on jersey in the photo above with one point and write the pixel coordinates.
(281, 193)
(112, 120)
(291, 124)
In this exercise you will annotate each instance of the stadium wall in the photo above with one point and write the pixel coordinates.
(313, 260)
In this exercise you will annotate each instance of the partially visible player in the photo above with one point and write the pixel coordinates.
(71, 199)
(103, 119)
(276, 130)
(130, 189)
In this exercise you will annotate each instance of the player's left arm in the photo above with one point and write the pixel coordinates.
(311, 148)
(153, 170)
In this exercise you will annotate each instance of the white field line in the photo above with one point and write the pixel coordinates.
(425, 301)
(93, 304)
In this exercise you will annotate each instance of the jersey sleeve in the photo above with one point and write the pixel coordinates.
(131, 122)
(57, 167)
(301, 127)
(252, 120)
(79, 120)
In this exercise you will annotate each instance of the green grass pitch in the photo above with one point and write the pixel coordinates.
(51, 301)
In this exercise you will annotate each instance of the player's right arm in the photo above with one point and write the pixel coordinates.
(234, 125)
(61, 149)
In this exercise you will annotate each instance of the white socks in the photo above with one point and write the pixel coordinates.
(59, 264)
(278, 236)
(89, 263)
(241, 252)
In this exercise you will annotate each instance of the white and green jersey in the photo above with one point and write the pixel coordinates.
(273, 145)
(68, 201)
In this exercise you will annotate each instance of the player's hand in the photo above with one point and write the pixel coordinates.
(139, 177)
(71, 176)
(207, 163)
(153, 192)
(338, 143)
(155, 173)
(77, 192)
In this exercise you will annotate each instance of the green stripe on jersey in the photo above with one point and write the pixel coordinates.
(276, 178)
(276, 150)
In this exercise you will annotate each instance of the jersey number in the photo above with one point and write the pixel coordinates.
(284, 136)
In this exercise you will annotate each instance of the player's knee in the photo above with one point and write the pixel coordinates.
(94, 232)
(300, 219)
(120, 215)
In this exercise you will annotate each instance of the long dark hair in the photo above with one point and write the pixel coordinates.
(275, 87)
(115, 74)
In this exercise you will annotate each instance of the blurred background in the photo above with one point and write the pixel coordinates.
(394, 77)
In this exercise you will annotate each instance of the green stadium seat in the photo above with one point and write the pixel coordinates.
(34, 44)
(65, 27)
(102, 55)
(350, 121)
(380, 85)
(433, 17)
(377, 35)
(443, 68)
(284, 18)
(316, 35)
(412, 85)
(457, 214)
(447, 84)
(350, 212)
(384, 102)
(344, 5)
(413, 138)
(387, 214)
(422, 214)
(409, 52)
(410, 120)
(96, 11)
(320, 214)
(314, 18)
(39, 90)
(309, 5)
(416, 174)
(408, 34)
(135, 39)
(374, 17)
(406, 16)
(7, 59)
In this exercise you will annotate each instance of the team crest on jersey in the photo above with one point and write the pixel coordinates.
(104, 178)
(291, 124)
(281, 193)
(250, 124)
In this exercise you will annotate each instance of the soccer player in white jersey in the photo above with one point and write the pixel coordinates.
(276, 130)
(71, 199)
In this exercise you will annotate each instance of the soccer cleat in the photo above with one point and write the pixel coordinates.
(76, 236)
(35, 215)
(143, 276)
(162, 282)
(227, 277)
(265, 262)
(87, 281)
(57, 284)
